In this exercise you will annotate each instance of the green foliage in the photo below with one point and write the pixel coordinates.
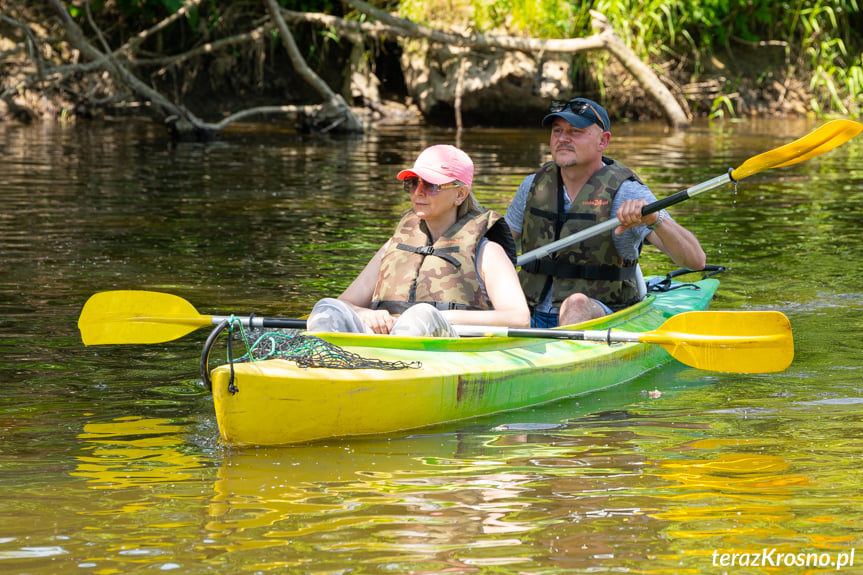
(824, 36)
(540, 18)
(721, 106)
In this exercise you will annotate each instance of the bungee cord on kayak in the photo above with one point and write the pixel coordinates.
(307, 351)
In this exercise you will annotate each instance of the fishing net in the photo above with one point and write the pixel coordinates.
(307, 351)
(312, 351)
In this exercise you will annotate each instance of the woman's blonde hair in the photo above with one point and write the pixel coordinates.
(470, 204)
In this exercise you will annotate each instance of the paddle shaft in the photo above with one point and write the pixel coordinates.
(262, 322)
(608, 336)
(462, 330)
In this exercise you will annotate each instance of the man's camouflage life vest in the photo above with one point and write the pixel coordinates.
(592, 267)
(442, 274)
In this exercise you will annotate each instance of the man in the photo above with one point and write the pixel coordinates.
(579, 189)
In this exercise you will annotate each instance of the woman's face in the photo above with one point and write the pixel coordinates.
(431, 201)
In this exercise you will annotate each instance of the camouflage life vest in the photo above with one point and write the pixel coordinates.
(592, 267)
(444, 273)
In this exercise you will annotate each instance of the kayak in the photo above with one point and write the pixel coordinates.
(438, 380)
(292, 387)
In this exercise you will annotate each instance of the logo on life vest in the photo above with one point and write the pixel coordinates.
(596, 202)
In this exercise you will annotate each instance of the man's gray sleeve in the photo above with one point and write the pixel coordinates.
(627, 243)
(515, 212)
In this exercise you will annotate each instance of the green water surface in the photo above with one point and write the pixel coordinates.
(109, 456)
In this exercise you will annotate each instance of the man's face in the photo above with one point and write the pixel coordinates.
(571, 146)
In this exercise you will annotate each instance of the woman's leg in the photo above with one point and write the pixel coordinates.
(423, 319)
(333, 315)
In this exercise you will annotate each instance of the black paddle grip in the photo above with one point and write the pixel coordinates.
(665, 202)
(283, 323)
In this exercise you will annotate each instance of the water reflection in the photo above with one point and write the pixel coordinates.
(422, 502)
(134, 452)
(741, 502)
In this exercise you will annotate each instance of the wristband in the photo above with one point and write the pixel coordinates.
(658, 221)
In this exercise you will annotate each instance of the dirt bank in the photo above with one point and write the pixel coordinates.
(53, 84)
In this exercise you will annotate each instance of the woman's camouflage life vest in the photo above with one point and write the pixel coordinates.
(443, 274)
(592, 267)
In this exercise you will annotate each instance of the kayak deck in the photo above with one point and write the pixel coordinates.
(278, 403)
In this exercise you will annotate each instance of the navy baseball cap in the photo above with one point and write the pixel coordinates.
(580, 112)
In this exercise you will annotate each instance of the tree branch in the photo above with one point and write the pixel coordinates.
(335, 106)
(76, 37)
(334, 112)
(264, 110)
(605, 39)
(655, 89)
(133, 44)
(32, 44)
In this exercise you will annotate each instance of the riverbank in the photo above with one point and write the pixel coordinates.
(387, 79)
(729, 87)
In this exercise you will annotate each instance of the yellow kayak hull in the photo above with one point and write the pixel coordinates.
(278, 403)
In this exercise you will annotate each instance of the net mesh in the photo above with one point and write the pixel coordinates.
(311, 351)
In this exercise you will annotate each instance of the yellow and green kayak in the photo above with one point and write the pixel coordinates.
(276, 402)
(297, 387)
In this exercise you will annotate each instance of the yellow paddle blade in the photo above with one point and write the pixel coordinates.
(849, 130)
(130, 316)
(730, 341)
(829, 136)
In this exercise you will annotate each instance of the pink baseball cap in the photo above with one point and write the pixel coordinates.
(441, 164)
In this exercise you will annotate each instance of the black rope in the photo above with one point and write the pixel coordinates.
(665, 284)
(231, 387)
(205, 354)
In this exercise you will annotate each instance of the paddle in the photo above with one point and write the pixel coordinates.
(133, 316)
(740, 342)
(731, 341)
(829, 136)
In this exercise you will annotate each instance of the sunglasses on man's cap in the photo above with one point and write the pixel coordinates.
(578, 107)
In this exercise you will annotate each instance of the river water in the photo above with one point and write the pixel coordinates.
(110, 460)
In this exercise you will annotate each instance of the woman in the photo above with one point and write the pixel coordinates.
(449, 262)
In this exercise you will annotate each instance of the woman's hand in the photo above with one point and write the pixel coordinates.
(378, 320)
